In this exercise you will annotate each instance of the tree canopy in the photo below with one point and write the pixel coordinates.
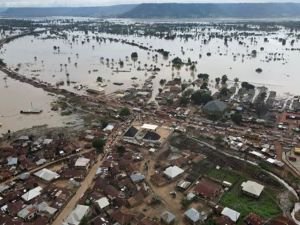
(124, 112)
(201, 97)
(98, 144)
(237, 118)
(134, 55)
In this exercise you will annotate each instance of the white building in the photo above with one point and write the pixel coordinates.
(31, 194)
(82, 162)
(173, 172)
(149, 126)
(231, 214)
(252, 188)
(47, 175)
(103, 202)
(77, 214)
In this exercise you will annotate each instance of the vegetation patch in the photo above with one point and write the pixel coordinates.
(224, 175)
(265, 206)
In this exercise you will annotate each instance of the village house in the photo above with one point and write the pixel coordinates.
(167, 218)
(31, 194)
(77, 214)
(207, 189)
(82, 163)
(172, 172)
(253, 219)
(223, 220)
(27, 213)
(183, 185)
(46, 175)
(193, 216)
(103, 203)
(230, 213)
(252, 188)
(122, 218)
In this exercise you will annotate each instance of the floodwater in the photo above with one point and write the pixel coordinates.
(40, 60)
(15, 96)
(82, 60)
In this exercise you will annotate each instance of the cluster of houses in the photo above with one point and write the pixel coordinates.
(36, 198)
(42, 176)
(175, 173)
(119, 186)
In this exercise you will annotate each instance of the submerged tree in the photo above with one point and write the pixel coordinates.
(224, 79)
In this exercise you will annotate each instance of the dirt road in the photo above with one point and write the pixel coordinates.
(87, 182)
(80, 192)
(164, 192)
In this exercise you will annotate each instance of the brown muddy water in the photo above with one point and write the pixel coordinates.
(81, 59)
(16, 96)
(81, 63)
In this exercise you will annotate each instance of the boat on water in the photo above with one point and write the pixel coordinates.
(31, 111)
(118, 83)
(95, 91)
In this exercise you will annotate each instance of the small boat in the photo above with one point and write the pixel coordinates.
(93, 91)
(118, 83)
(31, 111)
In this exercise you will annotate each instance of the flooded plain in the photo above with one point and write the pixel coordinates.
(77, 61)
(82, 59)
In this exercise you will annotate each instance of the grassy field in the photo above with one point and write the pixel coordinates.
(224, 175)
(265, 206)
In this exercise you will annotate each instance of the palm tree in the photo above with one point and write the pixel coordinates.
(236, 80)
(5, 81)
(224, 79)
(218, 80)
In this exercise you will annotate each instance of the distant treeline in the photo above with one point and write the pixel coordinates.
(166, 10)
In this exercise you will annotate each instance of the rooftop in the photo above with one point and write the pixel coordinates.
(103, 202)
(232, 214)
(193, 215)
(82, 162)
(215, 106)
(167, 217)
(31, 194)
(47, 175)
(149, 126)
(77, 214)
(252, 187)
(173, 171)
